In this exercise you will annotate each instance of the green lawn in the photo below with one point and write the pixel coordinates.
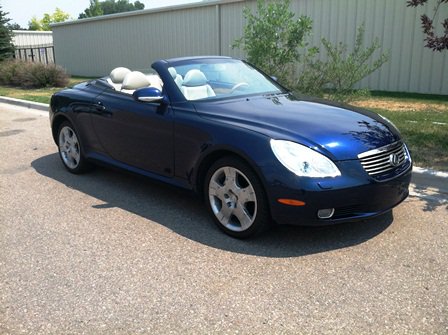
(422, 119)
(37, 95)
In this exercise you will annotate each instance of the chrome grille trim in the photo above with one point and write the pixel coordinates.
(384, 159)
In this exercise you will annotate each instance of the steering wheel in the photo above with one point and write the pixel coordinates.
(238, 86)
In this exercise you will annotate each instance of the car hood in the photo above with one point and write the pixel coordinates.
(338, 131)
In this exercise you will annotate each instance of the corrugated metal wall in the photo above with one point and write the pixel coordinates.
(93, 47)
(26, 39)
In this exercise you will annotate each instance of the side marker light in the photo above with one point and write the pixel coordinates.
(291, 202)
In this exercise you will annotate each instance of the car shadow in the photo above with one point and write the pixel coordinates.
(432, 190)
(184, 213)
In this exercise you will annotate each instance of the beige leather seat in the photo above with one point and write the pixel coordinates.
(155, 81)
(133, 81)
(176, 77)
(195, 86)
(116, 77)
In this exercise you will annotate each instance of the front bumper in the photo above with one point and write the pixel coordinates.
(353, 196)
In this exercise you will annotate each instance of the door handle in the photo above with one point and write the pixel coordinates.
(99, 106)
(101, 109)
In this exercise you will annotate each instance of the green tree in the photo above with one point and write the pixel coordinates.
(273, 37)
(98, 8)
(34, 24)
(15, 26)
(94, 9)
(6, 46)
(139, 5)
(44, 23)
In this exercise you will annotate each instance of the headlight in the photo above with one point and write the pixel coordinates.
(303, 161)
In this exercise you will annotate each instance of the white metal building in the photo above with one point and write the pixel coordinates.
(94, 46)
(27, 38)
(36, 46)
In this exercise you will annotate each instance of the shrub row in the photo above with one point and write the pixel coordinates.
(32, 75)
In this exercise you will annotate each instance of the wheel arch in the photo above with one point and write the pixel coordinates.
(56, 123)
(207, 161)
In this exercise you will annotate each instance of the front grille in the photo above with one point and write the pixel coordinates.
(385, 159)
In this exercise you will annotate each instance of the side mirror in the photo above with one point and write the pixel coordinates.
(148, 94)
(274, 78)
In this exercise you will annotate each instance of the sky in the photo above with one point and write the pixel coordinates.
(21, 11)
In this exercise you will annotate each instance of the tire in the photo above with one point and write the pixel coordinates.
(236, 198)
(70, 150)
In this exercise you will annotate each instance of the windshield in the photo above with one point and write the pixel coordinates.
(215, 78)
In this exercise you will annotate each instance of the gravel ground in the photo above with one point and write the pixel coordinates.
(111, 253)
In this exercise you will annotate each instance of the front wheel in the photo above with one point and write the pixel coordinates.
(236, 198)
(70, 149)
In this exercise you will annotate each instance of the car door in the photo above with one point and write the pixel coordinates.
(139, 134)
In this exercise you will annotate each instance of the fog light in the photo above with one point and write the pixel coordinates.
(325, 213)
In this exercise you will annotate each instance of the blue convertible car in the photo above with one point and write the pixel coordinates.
(256, 152)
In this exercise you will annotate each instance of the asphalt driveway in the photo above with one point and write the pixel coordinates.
(111, 253)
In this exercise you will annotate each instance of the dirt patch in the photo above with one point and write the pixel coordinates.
(394, 105)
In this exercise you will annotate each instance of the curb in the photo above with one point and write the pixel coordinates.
(25, 103)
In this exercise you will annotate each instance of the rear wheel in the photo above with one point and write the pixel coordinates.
(70, 149)
(236, 198)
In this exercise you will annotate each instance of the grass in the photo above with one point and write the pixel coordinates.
(42, 95)
(422, 119)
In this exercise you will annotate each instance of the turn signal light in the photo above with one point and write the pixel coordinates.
(291, 202)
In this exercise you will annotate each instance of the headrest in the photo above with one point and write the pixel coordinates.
(155, 81)
(117, 75)
(172, 72)
(135, 80)
(194, 78)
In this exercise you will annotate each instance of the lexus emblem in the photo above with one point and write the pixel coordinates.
(394, 160)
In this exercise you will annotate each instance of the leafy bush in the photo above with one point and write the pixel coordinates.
(32, 75)
(272, 38)
(276, 42)
(8, 72)
(338, 75)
